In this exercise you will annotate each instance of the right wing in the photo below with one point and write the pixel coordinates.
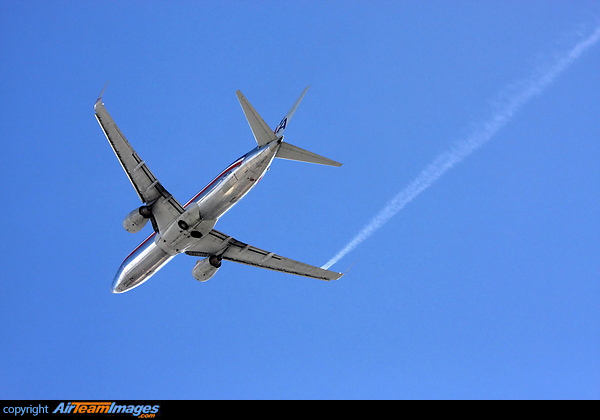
(217, 243)
(165, 208)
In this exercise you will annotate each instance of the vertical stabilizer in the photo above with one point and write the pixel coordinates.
(284, 122)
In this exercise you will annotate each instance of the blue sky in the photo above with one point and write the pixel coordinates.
(485, 286)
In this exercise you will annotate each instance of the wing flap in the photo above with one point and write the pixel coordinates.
(217, 243)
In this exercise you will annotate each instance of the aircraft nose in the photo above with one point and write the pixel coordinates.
(117, 284)
(115, 288)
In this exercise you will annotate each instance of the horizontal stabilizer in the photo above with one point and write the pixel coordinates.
(262, 133)
(291, 152)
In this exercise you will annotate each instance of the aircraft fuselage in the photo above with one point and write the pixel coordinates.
(201, 215)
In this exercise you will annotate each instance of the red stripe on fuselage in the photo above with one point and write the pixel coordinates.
(233, 166)
(139, 246)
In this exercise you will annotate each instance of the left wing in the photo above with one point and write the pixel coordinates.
(165, 208)
(217, 243)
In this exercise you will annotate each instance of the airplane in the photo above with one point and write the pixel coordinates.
(189, 228)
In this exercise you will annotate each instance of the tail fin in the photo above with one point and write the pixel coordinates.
(263, 134)
(283, 124)
(291, 152)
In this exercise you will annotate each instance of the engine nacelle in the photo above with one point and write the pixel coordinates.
(137, 219)
(206, 268)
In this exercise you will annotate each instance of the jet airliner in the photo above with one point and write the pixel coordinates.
(189, 228)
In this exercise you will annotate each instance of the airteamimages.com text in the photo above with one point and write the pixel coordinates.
(84, 407)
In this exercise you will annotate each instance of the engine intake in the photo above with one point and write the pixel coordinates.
(137, 219)
(206, 268)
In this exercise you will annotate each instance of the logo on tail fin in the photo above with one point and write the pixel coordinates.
(281, 125)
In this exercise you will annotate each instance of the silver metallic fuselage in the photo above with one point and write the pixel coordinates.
(202, 213)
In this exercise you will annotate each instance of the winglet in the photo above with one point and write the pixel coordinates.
(99, 100)
(344, 273)
(351, 265)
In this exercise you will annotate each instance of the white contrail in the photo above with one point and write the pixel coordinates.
(465, 147)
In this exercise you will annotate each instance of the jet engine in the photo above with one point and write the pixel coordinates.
(137, 219)
(206, 268)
